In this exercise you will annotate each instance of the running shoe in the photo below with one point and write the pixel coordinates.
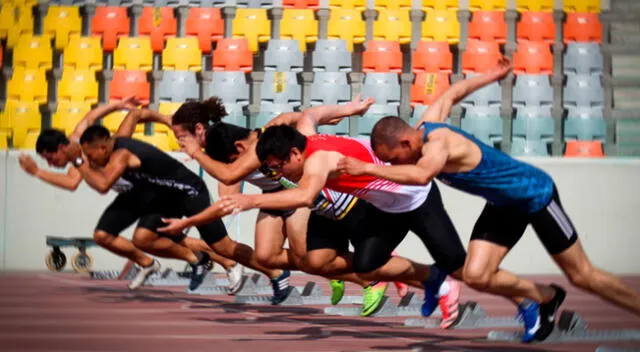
(372, 297)
(280, 287)
(199, 271)
(143, 274)
(530, 315)
(548, 311)
(431, 290)
(449, 303)
(234, 275)
(402, 288)
(337, 291)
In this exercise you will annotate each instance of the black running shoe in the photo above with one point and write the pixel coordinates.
(548, 313)
(280, 287)
(199, 271)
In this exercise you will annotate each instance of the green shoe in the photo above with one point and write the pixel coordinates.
(372, 297)
(337, 291)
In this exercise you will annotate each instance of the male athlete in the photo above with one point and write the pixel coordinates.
(517, 194)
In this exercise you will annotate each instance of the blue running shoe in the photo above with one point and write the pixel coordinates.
(280, 287)
(431, 288)
(530, 315)
(199, 271)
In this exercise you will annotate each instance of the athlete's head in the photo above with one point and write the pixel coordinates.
(394, 141)
(226, 142)
(193, 118)
(51, 145)
(97, 144)
(281, 148)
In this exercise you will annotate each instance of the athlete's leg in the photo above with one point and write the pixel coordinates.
(122, 247)
(198, 245)
(149, 241)
(296, 230)
(269, 241)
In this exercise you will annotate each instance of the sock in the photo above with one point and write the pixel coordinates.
(434, 275)
(445, 288)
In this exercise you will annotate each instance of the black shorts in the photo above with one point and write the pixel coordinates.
(284, 214)
(326, 233)
(504, 225)
(150, 205)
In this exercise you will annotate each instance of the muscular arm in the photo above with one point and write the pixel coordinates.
(92, 116)
(69, 181)
(232, 173)
(213, 212)
(136, 116)
(102, 180)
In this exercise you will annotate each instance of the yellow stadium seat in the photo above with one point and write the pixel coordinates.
(252, 24)
(168, 109)
(392, 4)
(23, 118)
(299, 24)
(441, 26)
(78, 86)
(488, 5)
(27, 85)
(592, 6)
(33, 52)
(347, 24)
(349, 4)
(158, 140)
(83, 53)
(534, 5)
(62, 22)
(4, 136)
(68, 114)
(113, 120)
(393, 25)
(134, 54)
(439, 4)
(182, 54)
(15, 20)
(21, 2)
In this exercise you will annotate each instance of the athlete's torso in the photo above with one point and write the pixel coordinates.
(499, 178)
(385, 195)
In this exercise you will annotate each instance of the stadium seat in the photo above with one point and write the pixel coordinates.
(348, 4)
(585, 129)
(182, 54)
(489, 95)
(68, 114)
(207, 25)
(533, 58)
(441, 26)
(524, 6)
(487, 5)
(178, 86)
(373, 115)
(27, 85)
(15, 20)
(536, 26)
(22, 118)
(532, 111)
(392, 4)
(382, 56)
(483, 123)
(330, 88)
(416, 115)
(158, 140)
(253, 25)
(383, 87)
(331, 55)
(269, 110)
(488, 26)
(393, 25)
(283, 55)
(480, 56)
(532, 90)
(582, 6)
(584, 149)
(281, 88)
(432, 57)
(534, 129)
(83, 53)
(129, 83)
(522, 147)
(300, 4)
(582, 27)
(583, 58)
(428, 87)
(133, 54)
(596, 112)
(231, 87)
(583, 91)
(62, 22)
(255, 4)
(232, 55)
(236, 115)
(113, 120)
(439, 5)
(167, 109)
(158, 23)
(33, 52)
(346, 24)
(78, 86)
(111, 23)
(299, 24)
(628, 137)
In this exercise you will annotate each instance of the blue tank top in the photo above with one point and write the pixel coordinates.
(499, 178)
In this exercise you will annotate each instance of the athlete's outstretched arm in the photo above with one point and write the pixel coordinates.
(440, 109)
(102, 180)
(210, 214)
(99, 112)
(136, 116)
(434, 158)
(69, 181)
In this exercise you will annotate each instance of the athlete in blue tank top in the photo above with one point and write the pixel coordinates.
(517, 194)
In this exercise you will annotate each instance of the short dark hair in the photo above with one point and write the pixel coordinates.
(94, 133)
(278, 141)
(221, 139)
(49, 140)
(387, 131)
(205, 112)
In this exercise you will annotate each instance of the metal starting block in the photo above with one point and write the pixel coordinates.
(472, 316)
(409, 305)
(310, 294)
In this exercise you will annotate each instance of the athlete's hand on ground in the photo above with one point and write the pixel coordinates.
(174, 226)
(236, 203)
(189, 145)
(358, 106)
(352, 166)
(28, 164)
(73, 151)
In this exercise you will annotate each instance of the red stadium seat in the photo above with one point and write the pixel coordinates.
(111, 23)
(158, 23)
(127, 83)
(536, 26)
(582, 27)
(233, 55)
(206, 24)
(427, 87)
(584, 149)
(300, 4)
(382, 56)
(480, 56)
(533, 58)
(432, 57)
(488, 26)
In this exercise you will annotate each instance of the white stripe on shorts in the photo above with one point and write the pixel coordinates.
(560, 218)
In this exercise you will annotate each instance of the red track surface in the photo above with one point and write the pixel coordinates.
(67, 312)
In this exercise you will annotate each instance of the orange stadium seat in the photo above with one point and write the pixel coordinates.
(582, 27)
(432, 57)
(206, 24)
(129, 83)
(382, 56)
(158, 23)
(585, 149)
(300, 4)
(427, 87)
(480, 56)
(533, 58)
(111, 23)
(488, 25)
(232, 55)
(536, 26)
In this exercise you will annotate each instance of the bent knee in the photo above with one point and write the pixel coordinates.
(316, 264)
(476, 278)
(103, 238)
(362, 267)
(583, 278)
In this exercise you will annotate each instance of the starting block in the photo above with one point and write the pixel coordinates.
(247, 287)
(127, 273)
(571, 328)
(409, 305)
(472, 316)
(310, 294)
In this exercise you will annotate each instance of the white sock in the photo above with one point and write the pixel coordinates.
(444, 289)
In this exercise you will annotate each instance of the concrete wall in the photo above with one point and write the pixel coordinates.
(601, 197)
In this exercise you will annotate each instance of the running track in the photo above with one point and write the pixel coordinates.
(69, 312)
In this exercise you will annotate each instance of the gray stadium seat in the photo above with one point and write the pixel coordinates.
(236, 115)
(522, 147)
(230, 86)
(418, 110)
(178, 86)
(285, 91)
(489, 95)
(211, 3)
(383, 87)
(532, 90)
(538, 128)
(533, 111)
(583, 58)
(330, 88)
(340, 128)
(585, 124)
(628, 137)
(331, 55)
(283, 55)
(484, 123)
(268, 111)
(162, 3)
(583, 91)
(373, 115)
(255, 3)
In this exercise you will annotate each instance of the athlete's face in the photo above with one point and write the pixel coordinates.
(97, 153)
(292, 168)
(57, 158)
(199, 135)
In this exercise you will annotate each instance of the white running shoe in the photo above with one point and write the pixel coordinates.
(143, 274)
(234, 275)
